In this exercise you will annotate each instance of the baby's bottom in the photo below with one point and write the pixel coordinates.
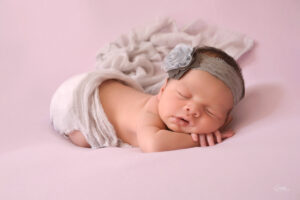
(76, 111)
(78, 139)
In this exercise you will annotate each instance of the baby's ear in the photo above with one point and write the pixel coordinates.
(162, 89)
(227, 121)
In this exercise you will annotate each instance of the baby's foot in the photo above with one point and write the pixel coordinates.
(78, 139)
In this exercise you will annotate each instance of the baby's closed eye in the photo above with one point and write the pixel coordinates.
(210, 112)
(183, 94)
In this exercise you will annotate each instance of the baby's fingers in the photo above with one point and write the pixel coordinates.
(202, 140)
(218, 136)
(227, 134)
(210, 139)
(194, 137)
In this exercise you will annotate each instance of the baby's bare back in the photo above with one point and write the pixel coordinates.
(123, 105)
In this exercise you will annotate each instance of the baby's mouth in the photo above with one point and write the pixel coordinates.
(180, 121)
(184, 120)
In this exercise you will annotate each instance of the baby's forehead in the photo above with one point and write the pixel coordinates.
(183, 85)
(213, 95)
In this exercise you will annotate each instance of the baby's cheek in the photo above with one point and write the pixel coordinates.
(171, 107)
(165, 111)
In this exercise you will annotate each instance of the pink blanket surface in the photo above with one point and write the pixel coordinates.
(45, 42)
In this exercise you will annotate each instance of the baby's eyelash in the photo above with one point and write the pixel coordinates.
(210, 112)
(182, 95)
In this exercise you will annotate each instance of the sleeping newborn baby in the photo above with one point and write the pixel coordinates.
(191, 109)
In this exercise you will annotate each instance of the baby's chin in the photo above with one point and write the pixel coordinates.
(177, 129)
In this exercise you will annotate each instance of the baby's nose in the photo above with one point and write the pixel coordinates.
(192, 110)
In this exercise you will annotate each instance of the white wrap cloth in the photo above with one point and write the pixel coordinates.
(135, 59)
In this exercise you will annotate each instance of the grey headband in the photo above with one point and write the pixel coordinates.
(181, 59)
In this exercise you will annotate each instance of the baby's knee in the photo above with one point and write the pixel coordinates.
(78, 139)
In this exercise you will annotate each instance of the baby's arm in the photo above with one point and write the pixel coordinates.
(153, 137)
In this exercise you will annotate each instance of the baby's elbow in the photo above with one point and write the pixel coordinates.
(149, 147)
(147, 140)
(149, 150)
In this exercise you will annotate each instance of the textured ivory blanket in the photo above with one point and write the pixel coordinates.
(135, 59)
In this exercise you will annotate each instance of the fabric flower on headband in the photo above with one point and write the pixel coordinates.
(179, 57)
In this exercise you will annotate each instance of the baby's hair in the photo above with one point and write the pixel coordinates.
(215, 52)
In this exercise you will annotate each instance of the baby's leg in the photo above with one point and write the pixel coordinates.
(77, 138)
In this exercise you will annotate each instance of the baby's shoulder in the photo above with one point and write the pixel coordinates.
(150, 115)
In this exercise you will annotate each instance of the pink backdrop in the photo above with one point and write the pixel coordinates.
(44, 42)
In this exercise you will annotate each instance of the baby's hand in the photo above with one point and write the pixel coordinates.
(210, 139)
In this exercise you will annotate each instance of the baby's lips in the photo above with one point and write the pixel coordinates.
(179, 121)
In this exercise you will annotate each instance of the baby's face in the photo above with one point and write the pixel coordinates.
(197, 103)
